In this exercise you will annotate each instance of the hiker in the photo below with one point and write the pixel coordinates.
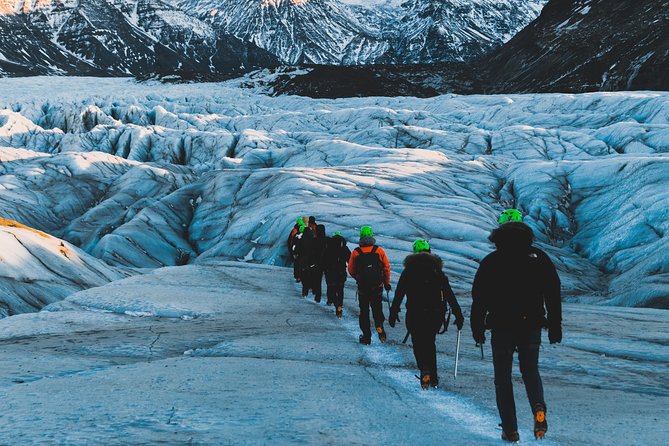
(295, 251)
(369, 266)
(428, 291)
(292, 250)
(513, 288)
(311, 222)
(309, 263)
(315, 271)
(335, 258)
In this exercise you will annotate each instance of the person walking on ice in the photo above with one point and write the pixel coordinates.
(516, 292)
(370, 268)
(428, 292)
(335, 259)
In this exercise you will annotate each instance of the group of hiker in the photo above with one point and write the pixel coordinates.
(314, 255)
(515, 293)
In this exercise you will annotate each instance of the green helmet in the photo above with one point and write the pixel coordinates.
(301, 228)
(366, 231)
(510, 215)
(337, 233)
(300, 221)
(420, 245)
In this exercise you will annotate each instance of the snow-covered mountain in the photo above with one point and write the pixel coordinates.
(461, 29)
(587, 45)
(119, 37)
(212, 171)
(331, 32)
(217, 38)
(296, 31)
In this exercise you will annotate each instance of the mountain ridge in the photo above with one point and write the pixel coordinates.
(142, 38)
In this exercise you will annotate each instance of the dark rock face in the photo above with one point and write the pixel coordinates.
(28, 51)
(381, 80)
(586, 45)
(147, 38)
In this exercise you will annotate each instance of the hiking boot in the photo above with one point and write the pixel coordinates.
(540, 423)
(425, 381)
(338, 312)
(365, 340)
(434, 380)
(329, 303)
(382, 334)
(317, 298)
(511, 437)
(298, 280)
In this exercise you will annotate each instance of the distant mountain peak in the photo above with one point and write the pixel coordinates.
(277, 3)
(8, 7)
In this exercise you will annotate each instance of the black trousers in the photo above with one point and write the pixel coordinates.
(504, 343)
(312, 279)
(424, 326)
(336, 293)
(367, 299)
(296, 268)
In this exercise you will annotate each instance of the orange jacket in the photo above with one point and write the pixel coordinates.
(382, 257)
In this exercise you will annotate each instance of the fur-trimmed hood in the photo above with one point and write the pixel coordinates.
(367, 241)
(423, 260)
(513, 235)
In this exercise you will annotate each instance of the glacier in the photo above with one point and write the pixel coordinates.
(149, 221)
(144, 175)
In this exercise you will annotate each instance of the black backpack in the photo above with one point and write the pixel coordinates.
(430, 295)
(369, 269)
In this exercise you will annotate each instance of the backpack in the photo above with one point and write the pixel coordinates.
(427, 295)
(338, 246)
(430, 294)
(369, 269)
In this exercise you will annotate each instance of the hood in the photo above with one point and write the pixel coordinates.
(423, 260)
(320, 231)
(339, 239)
(514, 235)
(367, 241)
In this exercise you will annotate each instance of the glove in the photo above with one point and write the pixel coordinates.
(392, 319)
(459, 322)
(387, 287)
(479, 338)
(555, 334)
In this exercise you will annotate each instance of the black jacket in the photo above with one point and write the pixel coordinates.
(516, 284)
(335, 258)
(426, 288)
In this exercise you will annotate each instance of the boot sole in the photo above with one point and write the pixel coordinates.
(540, 427)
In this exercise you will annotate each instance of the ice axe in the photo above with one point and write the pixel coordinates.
(457, 354)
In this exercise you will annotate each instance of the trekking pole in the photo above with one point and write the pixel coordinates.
(481, 345)
(388, 297)
(406, 337)
(457, 354)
